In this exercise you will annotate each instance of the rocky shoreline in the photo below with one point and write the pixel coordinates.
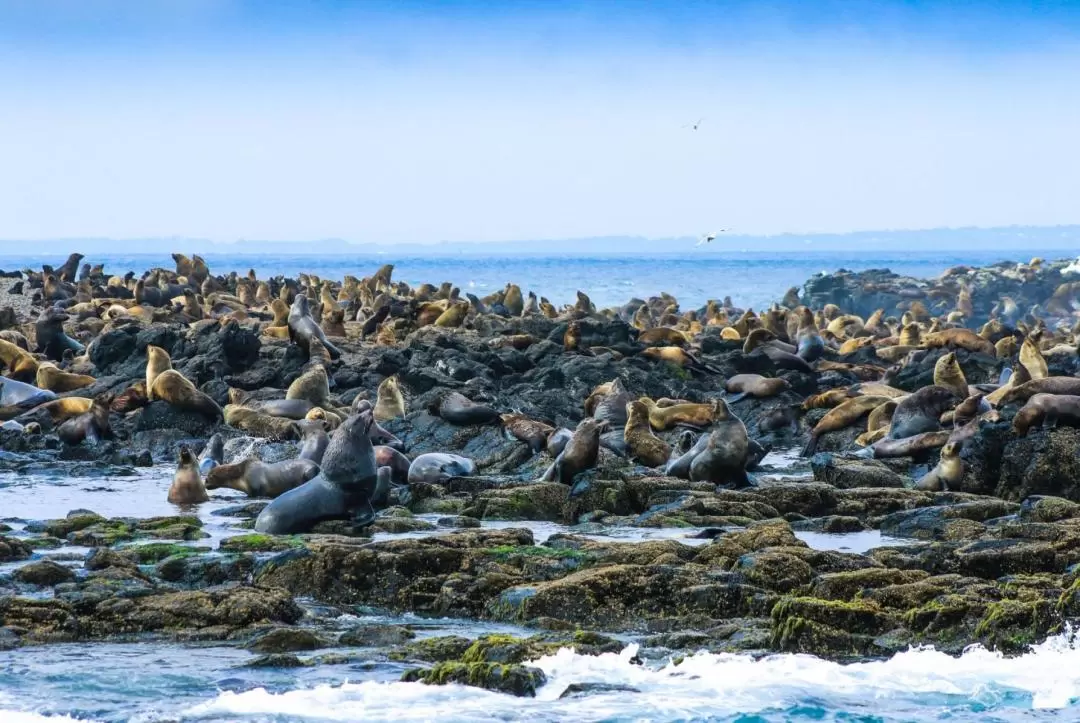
(987, 556)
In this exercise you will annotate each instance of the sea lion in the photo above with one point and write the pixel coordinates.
(881, 416)
(641, 443)
(911, 446)
(530, 431)
(1048, 411)
(261, 425)
(754, 385)
(313, 385)
(969, 409)
(827, 399)
(610, 405)
(377, 434)
(288, 408)
(313, 442)
(342, 489)
(303, 328)
(92, 425)
(390, 403)
(840, 417)
(20, 394)
(329, 420)
(393, 460)
(52, 340)
(454, 316)
(661, 418)
(960, 338)
(51, 377)
(579, 454)
(1020, 394)
(384, 483)
(921, 411)
(213, 454)
(435, 467)
(165, 383)
(723, 457)
(557, 441)
(948, 374)
(458, 409)
(21, 365)
(679, 357)
(187, 486)
(132, 398)
(948, 472)
(259, 479)
(1031, 358)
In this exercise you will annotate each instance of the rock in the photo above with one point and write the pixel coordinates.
(516, 680)
(376, 636)
(851, 473)
(13, 549)
(287, 640)
(45, 574)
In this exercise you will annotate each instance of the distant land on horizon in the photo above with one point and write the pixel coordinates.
(1039, 239)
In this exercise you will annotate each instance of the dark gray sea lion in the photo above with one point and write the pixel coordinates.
(557, 441)
(395, 461)
(438, 467)
(70, 268)
(212, 455)
(92, 425)
(377, 434)
(302, 327)
(458, 409)
(921, 411)
(342, 490)
(1047, 411)
(313, 442)
(911, 446)
(384, 483)
(287, 408)
(52, 340)
(724, 458)
(611, 408)
(259, 479)
(23, 395)
(579, 454)
(373, 321)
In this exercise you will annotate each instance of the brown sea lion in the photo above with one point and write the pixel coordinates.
(911, 446)
(579, 454)
(828, 399)
(948, 374)
(187, 486)
(390, 403)
(21, 365)
(1069, 386)
(259, 479)
(1047, 411)
(641, 443)
(1030, 357)
(947, 474)
(395, 461)
(261, 425)
(661, 418)
(960, 338)
(530, 431)
(453, 317)
(51, 377)
(679, 357)
(921, 411)
(840, 417)
(313, 385)
(754, 385)
(165, 383)
(458, 409)
(92, 425)
(610, 407)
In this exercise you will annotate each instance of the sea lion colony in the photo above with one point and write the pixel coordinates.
(420, 397)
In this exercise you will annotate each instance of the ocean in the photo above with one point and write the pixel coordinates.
(752, 279)
(154, 682)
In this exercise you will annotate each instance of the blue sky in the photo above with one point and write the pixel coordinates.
(412, 121)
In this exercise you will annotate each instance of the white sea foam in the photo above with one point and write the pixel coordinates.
(916, 683)
(1071, 269)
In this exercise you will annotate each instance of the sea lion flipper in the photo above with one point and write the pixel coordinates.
(732, 398)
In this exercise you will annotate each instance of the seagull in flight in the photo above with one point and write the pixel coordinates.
(710, 236)
(696, 125)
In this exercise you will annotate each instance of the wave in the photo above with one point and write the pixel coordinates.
(914, 684)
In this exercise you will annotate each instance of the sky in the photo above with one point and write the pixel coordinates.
(391, 122)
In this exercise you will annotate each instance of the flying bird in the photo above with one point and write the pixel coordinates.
(710, 236)
(694, 126)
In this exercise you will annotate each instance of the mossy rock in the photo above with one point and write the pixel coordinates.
(1011, 625)
(506, 552)
(1048, 509)
(283, 660)
(516, 680)
(14, 549)
(855, 617)
(287, 640)
(38, 543)
(376, 636)
(433, 650)
(508, 649)
(774, 570)
(849, 585)
(152, 553)
(45, 573)
(74, 522)
(256, 542)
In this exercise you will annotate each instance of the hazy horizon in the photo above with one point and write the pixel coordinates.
(413, 122)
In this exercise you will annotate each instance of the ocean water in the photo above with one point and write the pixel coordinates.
(752, 279)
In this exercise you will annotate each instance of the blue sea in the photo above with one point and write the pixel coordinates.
(155, 682)
(751, 278)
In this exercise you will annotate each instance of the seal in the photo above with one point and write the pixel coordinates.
(841, 417)
(92, 425)
(213, 454)
(51, 377)
(288, 408)
(661, 418)
(530, 431)
(20, 394)
(948, 472)
(384, 483)
(302, 328)
(342, 490)
(921, 411)
(259, 479)
(912, 446)
(1047, 410)
(557, 441)
(881, 416)
(389, 403)
(435, 467)
(1031, 359)
(754, 385)
(641, 443)
(187, 486)
(313, 385)
(377, 434)
(719, 457)
(948, 374)
(314, 441)
(165, 383)
(261, 425)
(458, 409)
(329, 420)
(579, 454)
(52, 340)
(20, 364)
(391, 459)
(454, 316)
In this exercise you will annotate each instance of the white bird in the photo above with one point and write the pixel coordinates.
(709, 237)
(694, 126)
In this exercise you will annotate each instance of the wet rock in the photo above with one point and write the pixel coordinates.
(277, 660)
(44, 574)
(516, 680)
(583, 690)
(851, 473)
(13, 549)
(376, 636)
(287, 640)
(1043, 463)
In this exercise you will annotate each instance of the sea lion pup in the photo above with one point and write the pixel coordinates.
(828, 399)
(458, 409)
(213, 454)
(572, 337)
(641, 443)
(21, 365)
(679, 357)
(1020, 394)
(967, 410)
(92, 425)
(921, 411)
(1031, 358)
(165, 383)
(663, 335)
(579, 454)
(666, 417)
(313, 386)
(329, 420)
(313, 442)
(261, 425)
(840, 417)
(912, 446)
(187, 487)
(948, 374)
(754, 385)
(948, 473)
(342, 490)
(530, 431)
(51, 377)
(435, 467)
(258, 479)
(132, 398)
(389, 403)
(1049, 411)
(302, 328)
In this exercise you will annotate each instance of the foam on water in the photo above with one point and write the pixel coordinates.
(917, 684)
